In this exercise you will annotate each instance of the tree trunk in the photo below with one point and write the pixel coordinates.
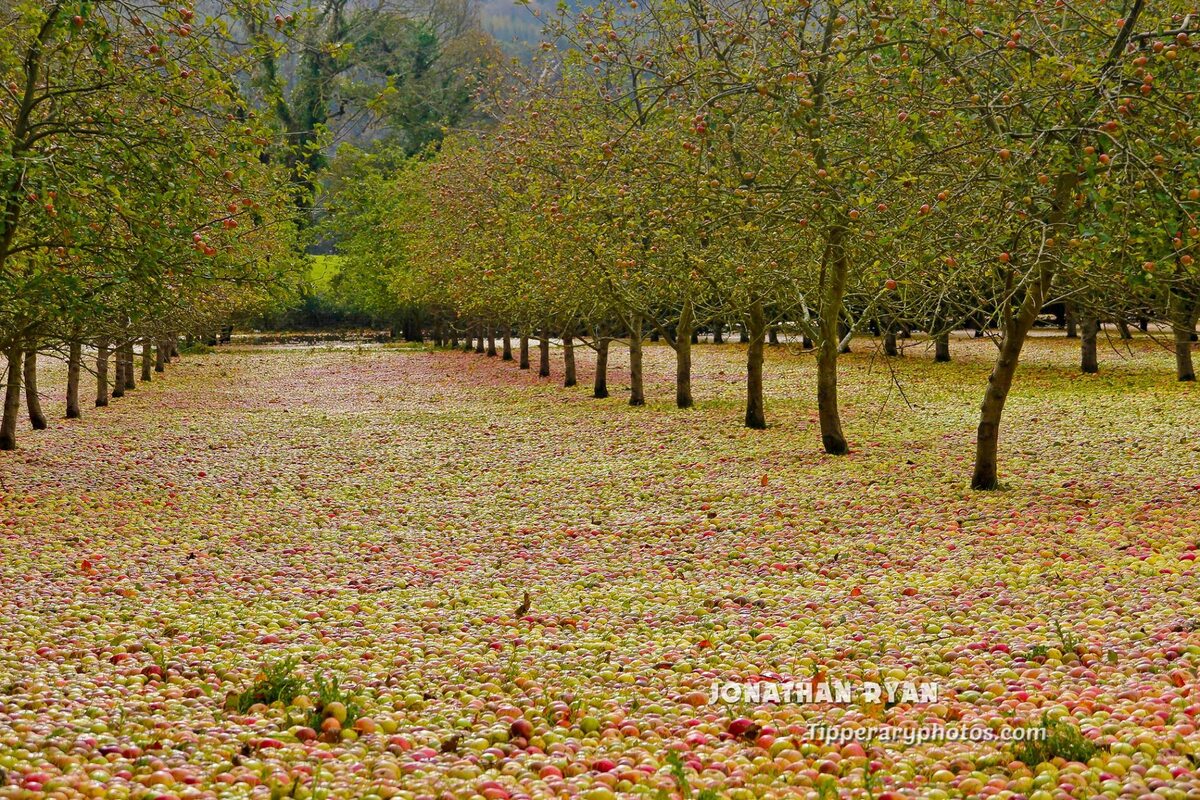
(453, 340)
(843, 331)
(523, 352)
(160, 356)
(806, 342)
(1123, 327)
(1087, 345)
(718, 333)
(600, 380)
(1072, 333)
(832, 438)
(32, 402)
(101, 373)
(569, 359)
(743, 337)
(941, 348)
(506, 344)
(756, 416)
(683, 357)
(1183, 322)
(173, 346)
(118, 353)
(147, 356)
(637, 393)
(130, 377)
(12, 400)
(479, 346)
(772, 336)
(491, 341)
(74, 359)
(544, 354)
(999, 383)
(1014, 332)
(889, 343)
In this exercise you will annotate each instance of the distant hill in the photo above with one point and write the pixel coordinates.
(514, 26)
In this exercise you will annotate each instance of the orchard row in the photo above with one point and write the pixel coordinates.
(824, 168)
(138, 192)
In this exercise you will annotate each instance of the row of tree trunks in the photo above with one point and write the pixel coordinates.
(21, 377)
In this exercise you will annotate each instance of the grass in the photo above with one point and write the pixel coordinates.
(322, 272)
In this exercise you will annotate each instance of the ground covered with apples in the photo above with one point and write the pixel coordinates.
(347, 573)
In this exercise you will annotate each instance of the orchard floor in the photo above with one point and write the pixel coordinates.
(379, 514)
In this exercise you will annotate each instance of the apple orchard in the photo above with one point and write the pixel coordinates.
(749, 348)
